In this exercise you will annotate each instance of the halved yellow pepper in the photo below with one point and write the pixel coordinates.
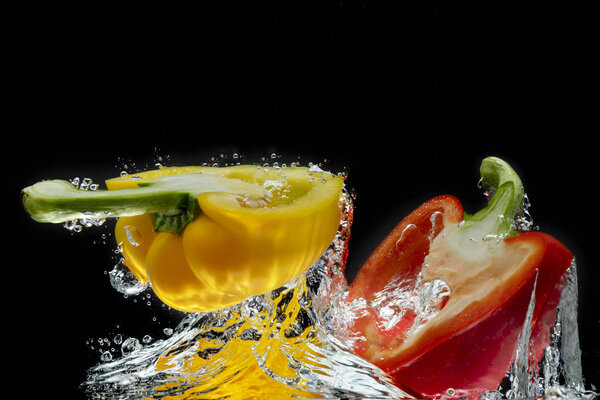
(234, 248)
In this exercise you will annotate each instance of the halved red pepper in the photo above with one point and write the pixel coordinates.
(491, 271)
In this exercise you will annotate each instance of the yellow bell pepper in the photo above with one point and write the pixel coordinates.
(208, 237)
(234, 249)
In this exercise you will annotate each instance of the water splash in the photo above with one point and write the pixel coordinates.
(520, 373)
(282, 345)
(271, 346)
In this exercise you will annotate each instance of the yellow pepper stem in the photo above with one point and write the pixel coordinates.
(58, 201)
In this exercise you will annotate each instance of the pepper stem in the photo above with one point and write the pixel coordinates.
(171, 199)
(499, 179)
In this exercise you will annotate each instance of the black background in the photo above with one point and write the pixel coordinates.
(406, 97)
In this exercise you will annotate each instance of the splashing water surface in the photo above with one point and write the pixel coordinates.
(291, 344)
(270, 347)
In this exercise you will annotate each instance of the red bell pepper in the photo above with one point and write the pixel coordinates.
(466, 345)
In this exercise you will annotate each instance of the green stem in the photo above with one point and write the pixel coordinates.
(59, 201)
(497, 218)
(171, 199)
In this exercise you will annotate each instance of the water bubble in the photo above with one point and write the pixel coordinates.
(118, 339)
(73, 226)
(106, 356)
(133, 236)
(147, 339)
(130, 345)
(168, 331)
(123, 281)
(85, 184)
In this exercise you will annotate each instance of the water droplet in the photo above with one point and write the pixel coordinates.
(130, 345)
(118, 339)
(106, 356)
(147, 339)
(85, 184)
(123, 281)
(168, 331)
(133, 236)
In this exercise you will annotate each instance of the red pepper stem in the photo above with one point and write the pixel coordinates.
(497, 219)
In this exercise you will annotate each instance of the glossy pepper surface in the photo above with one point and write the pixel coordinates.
(493, 275)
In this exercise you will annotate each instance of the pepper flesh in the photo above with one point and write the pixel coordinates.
(469, 344)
